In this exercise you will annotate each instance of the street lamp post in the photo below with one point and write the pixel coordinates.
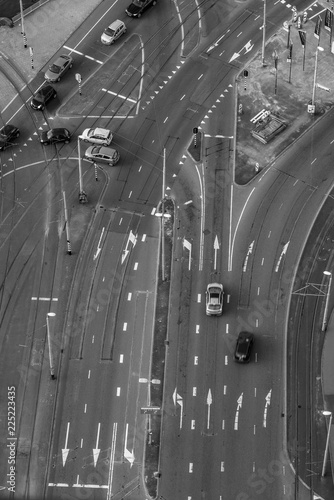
(82, 195)
(275, 56)
(324, 321)
(52, 369)
(264, 31)
(22, 26)
(315, 78)
(327, 413)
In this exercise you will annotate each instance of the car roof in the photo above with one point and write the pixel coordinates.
(103, 150)
(215, 285)
(116, 24)
(101, 131)
(7, 128)
(44, 90)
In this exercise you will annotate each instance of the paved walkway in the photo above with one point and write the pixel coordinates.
(47, 28)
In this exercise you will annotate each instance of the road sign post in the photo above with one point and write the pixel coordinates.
(78, 79)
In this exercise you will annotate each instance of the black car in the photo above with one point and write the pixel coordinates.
(42, 97)
(136, 8)
(244, 347)
(7, 134)
(55, 135)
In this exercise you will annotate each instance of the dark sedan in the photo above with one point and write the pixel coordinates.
(243, 347)
(55, 135)
(42, 97)
(7, 134)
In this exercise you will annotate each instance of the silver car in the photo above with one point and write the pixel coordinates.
(100, 154)
(214, 299)
(58, 68)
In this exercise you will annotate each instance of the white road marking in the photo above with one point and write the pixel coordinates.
(125, 326)
(118, 391)
(165, 119)
(194, 391)
(143, 238)
(121, 358)
(85, 410)
(184, 95)
(130, 194)
(226, 360)
(88, 373)
(135, 267)
(192, 426)
(196, 360)
(82, 54)
(197, 329)
(129, 296)
(45, 299)
(199, 298)
(191, 467)
(119, 95)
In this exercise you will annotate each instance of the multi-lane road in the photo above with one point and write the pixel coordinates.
(82, 433)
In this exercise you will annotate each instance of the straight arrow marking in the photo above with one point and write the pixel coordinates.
(96, 450)
(65, 450)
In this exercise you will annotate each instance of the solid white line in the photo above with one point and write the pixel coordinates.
(44, 298)
(142, 70)
(236, 229)
(82, 54)
(230, 233)
(120, 95)
(112, 459)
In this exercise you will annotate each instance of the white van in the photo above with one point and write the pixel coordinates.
(114, 31)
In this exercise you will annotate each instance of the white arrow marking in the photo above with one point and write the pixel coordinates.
(98, 250)
(209, 403)
(129, 455)
(284, 250)
(65, 450)
(216, 248)
(235, 56)
(248, 47)
(268, 398)
(133, 240)
(187, 245)
(178, 400)
(239, 400)
(96, 450)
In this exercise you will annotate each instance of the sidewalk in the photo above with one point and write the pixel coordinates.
(327, 376)
(46, 29)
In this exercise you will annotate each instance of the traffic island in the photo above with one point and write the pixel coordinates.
(195, 147)
(283, 88)
(153, 429)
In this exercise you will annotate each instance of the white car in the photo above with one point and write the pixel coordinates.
(114, 31)
(214, 299)
(97, 136)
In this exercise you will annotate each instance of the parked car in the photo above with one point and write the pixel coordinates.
(97, 136)
(58, 68)
(136, 8)
(100, 154)
(114, 31)
(55, 135)
(214, 299)
(7, 134)
(243, 347)
(42, 97)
